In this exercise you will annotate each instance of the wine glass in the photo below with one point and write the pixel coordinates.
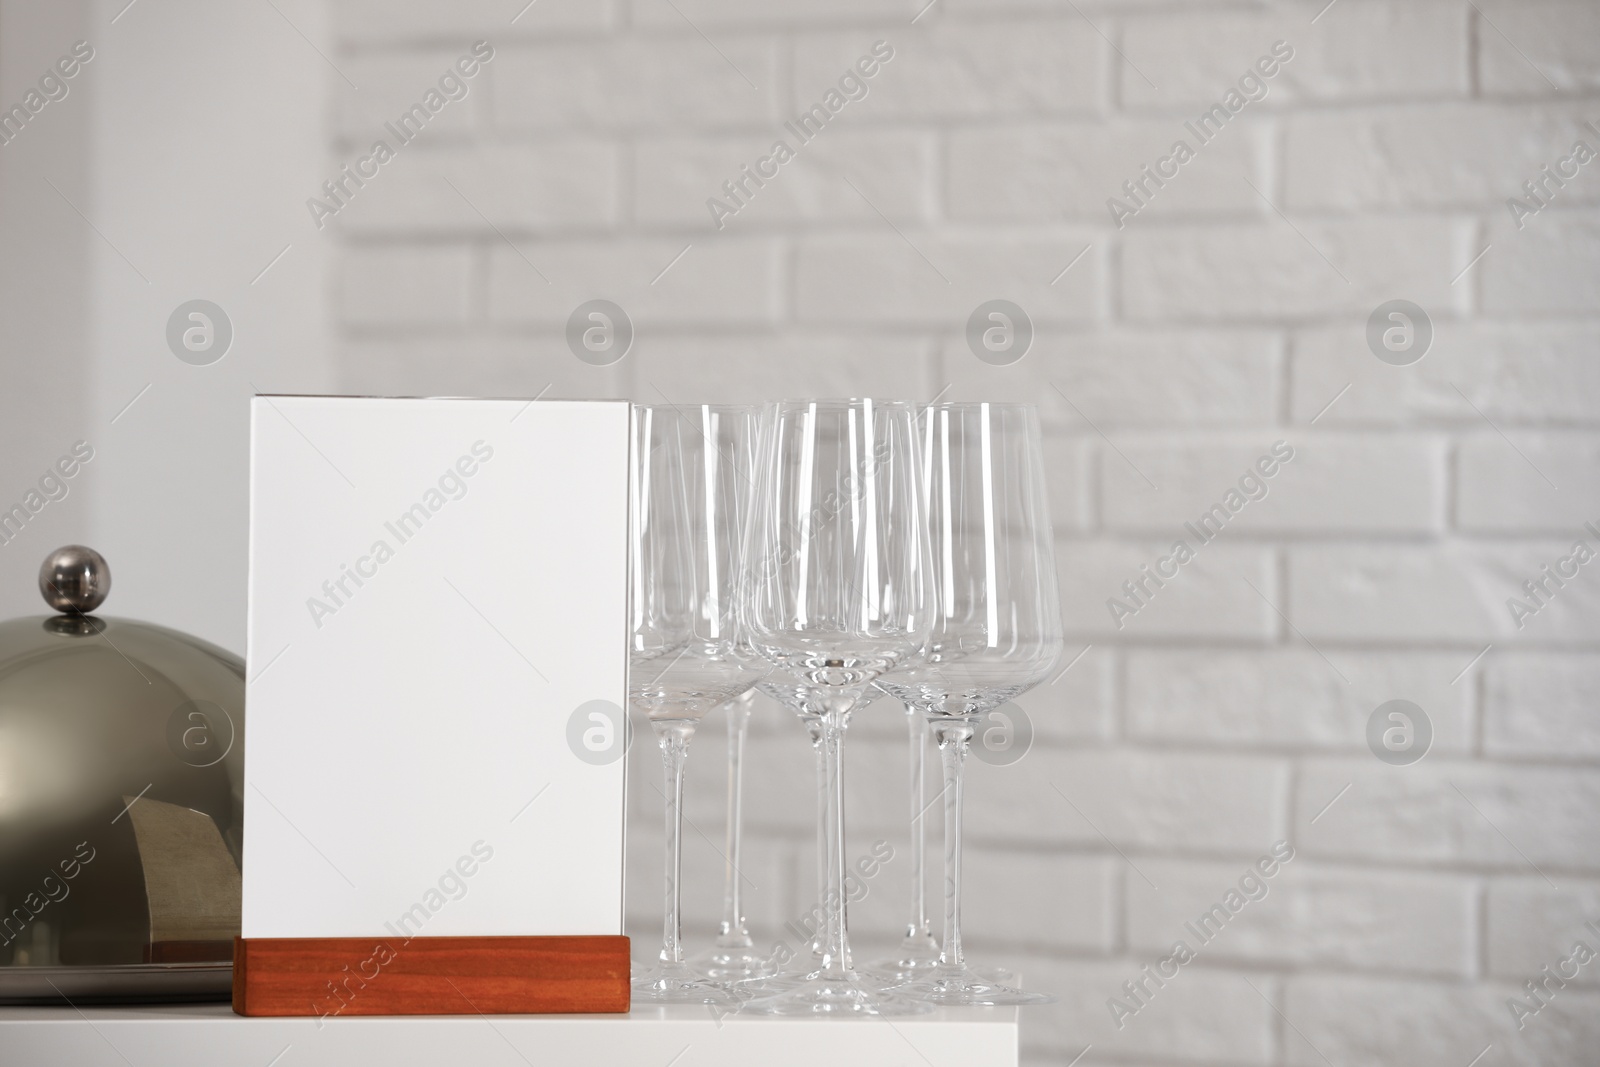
(838, 592)
(724, 436)
(998, 628)
(690, 493)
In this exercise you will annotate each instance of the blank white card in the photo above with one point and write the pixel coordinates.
(437, 667)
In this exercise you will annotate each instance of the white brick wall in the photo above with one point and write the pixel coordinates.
(1313, 915)
(1227, 314)
(1374, 49)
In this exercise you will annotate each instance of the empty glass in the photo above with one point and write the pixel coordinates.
(998, 627)
(838, 592)
(690, 493)
(732, 958)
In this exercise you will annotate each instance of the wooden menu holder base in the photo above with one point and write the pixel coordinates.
(339, 976)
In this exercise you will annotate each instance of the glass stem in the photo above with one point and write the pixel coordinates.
(734, 933)
(673, 736)
(836, 961)
(917, 927)
(954, 737)
(819, 940)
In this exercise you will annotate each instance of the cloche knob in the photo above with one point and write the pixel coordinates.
(74, 580)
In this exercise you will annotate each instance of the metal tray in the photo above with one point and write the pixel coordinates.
(122, 984)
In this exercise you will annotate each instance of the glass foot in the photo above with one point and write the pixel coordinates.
(831, 995)
(732, 965)
(779, 980)
(964, 985)
(676, 983)
(908, 968)
(916, 954)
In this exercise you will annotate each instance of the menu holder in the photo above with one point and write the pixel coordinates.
(435, 737)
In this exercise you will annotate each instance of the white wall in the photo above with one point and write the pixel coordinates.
(188, 143)
(1188, 341)
(45, 389)
(207, 137)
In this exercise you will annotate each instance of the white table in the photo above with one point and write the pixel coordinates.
(210, 1035)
